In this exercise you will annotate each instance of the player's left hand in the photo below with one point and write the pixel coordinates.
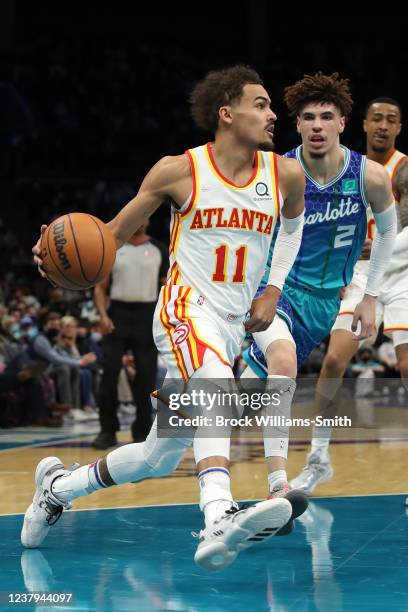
(263, 309)
(365, 314)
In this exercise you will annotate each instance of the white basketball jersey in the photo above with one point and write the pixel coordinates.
(391, 166)
(220, 238)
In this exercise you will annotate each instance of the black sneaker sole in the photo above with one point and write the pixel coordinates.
(300, 502)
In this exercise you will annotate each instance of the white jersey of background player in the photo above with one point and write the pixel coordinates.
(382, 126)
(227, 194)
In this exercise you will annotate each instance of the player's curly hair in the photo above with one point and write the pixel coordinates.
(319, 88)
(218, 88)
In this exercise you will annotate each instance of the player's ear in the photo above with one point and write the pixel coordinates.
(342, 124)
(365, 125)
(298, 124)
(225, 114)
(399, 129)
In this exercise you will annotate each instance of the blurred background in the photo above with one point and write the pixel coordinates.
(92, 94)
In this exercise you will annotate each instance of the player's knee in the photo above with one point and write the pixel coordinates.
(282, 361)
(334, 364)
(166, 463)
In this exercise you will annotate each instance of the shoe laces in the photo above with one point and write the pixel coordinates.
(53, 512)
(228, 514)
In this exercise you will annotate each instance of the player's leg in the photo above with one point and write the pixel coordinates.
(57, 487)
(275, 352)
(279, 349)
(342, 348)
(227, 529)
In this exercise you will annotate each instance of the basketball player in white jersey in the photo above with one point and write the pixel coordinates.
(382, 125)
(227, 196)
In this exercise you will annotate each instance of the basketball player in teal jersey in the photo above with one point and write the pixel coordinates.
(340, 184)
(382, 125)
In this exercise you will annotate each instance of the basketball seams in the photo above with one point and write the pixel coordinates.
(56, 263)
(77, 250)
(103, 248)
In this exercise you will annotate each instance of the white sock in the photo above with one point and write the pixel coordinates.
(82, 481)
(321, 442)
(276, 438)
(275, 478)
(215, 493)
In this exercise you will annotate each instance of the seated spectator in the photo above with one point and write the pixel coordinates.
(81, 378)
(62, 367)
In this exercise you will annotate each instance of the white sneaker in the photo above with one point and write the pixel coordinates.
(315, 472)
(46, 508)
(221, 542)
(79, 415)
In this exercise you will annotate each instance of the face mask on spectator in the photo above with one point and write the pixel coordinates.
(15, 331)
(96, 336)
(32, 332)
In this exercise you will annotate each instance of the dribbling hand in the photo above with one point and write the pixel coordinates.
(36, 250)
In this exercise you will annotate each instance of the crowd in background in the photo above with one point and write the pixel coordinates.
(81, 123)
(50, 359)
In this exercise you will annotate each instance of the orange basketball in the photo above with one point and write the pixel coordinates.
(78, 250)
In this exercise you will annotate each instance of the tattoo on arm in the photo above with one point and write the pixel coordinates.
(402, 189)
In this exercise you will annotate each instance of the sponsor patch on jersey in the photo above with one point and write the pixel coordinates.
(349, 186)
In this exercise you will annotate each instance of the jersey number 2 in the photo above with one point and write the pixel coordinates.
(344, 236)
(221, 257)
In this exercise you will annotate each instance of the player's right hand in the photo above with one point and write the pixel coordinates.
(107, 325)
(37, 253)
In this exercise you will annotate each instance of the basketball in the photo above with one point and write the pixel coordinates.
(78, 250)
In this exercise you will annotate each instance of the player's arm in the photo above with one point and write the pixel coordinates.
(288, 240)
(379, 194)
(164, 180)
(169, 177)
(401, 184)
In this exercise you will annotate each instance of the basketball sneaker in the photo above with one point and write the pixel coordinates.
(46, 508)
(314, 473)
(221, 542)
(298, 500)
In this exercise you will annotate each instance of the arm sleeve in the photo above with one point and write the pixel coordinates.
(384, 239)
(44, 350)
(287, 246)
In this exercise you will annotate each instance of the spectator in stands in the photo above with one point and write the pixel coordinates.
(62, 368)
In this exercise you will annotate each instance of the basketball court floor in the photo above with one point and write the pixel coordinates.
(131, 548)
